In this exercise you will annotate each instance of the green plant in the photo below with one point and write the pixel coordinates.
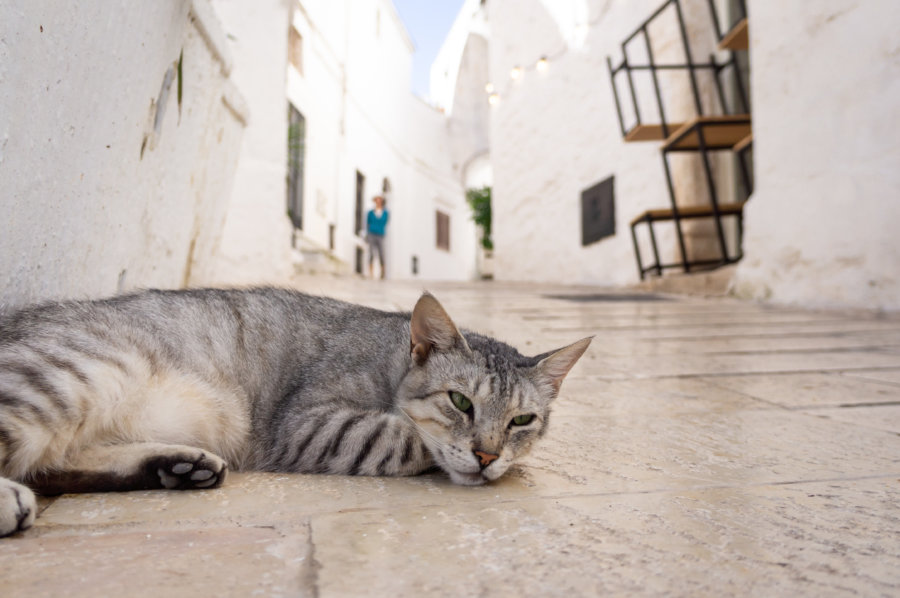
(480, 202)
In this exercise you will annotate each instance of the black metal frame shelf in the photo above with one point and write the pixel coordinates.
(704, 133)
(641, 131)
(677, 215)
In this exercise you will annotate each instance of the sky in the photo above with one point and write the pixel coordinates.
(427, 22)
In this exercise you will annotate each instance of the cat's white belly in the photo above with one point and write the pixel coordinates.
(140, 405)
(177, 408)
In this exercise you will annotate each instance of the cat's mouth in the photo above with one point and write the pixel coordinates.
(464, 478)
(467, 479)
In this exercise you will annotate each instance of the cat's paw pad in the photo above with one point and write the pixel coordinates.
(186, 471)
(18, 507)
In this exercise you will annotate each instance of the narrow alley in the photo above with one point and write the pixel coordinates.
(702, 447)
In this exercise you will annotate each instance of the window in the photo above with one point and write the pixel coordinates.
(295, 49)
(598, 212)
(296, 156)
(443, 231)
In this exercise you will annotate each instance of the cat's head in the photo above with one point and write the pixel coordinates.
(478, 403)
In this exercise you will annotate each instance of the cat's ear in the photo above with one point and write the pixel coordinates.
(432, 329)
(554, 367)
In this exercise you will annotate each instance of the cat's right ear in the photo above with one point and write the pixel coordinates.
(556, 364)
(432, 329)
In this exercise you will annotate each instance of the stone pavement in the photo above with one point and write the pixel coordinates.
(702, 447)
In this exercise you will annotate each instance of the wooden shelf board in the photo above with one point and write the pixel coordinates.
(743, 143)
(650, 132)
(688, 212)
(738, 38)
(719, 132)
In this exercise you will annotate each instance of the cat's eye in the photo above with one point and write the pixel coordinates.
(460, 401)
(522, 420)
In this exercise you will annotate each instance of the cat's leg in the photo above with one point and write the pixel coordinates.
(350, 441)
(18, 507)
(139, 466)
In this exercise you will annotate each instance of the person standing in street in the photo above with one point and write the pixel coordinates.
(376, 225)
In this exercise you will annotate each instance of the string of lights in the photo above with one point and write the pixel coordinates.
(517, 73)
(542, 64)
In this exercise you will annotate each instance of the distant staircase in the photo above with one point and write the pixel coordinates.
(309, 258)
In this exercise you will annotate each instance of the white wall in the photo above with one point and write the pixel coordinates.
(433, 183)
(354, 93)
(821, 227)
(103, 189)
(471, 19)
(470, 118)
(256, 240)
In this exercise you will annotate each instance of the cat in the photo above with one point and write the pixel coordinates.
(160, 389)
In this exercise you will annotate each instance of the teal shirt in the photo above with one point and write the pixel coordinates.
(376, 225)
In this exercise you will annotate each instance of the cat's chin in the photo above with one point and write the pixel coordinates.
(467, 479)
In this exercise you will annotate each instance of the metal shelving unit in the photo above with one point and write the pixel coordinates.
(728, 130)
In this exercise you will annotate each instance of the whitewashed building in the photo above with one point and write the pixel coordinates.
(823, 92)
(459, 75)
(123, 163)
(148, 146)
(356, 131)
(120, 128)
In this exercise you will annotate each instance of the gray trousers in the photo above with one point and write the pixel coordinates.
(376, 244)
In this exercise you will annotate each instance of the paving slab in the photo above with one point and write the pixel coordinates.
(818, 389)
(812, 539)
(702, 447)
(888, 375)
(203, 561)
(876, 417)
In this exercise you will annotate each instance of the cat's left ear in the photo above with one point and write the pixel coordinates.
(553, 368)
(432, 329)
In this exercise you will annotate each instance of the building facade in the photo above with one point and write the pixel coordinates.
(360, 132)
(819, 79)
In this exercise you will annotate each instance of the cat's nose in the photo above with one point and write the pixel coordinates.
(485, 458)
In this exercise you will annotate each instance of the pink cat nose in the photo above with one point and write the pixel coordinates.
(485, 458)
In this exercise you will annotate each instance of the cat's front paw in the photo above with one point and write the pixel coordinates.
(18, 507)
(187, 471)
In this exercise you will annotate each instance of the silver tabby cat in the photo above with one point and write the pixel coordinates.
(161, 389)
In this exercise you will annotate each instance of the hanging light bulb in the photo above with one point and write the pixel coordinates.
(515, 73)
(542, 64)
(493, 99)
(489, 88)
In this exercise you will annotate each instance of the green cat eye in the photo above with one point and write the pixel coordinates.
(460, 401)
(522, 420)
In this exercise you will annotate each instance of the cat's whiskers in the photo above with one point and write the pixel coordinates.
(420, 428)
